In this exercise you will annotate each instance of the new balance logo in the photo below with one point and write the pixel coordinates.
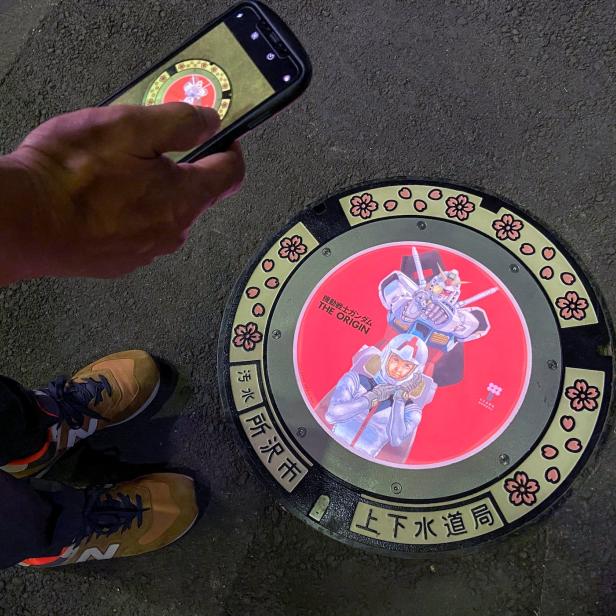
(78, 435)
(96, 554)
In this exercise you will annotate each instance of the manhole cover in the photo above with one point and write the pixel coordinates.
(415, 366)
(198, 82)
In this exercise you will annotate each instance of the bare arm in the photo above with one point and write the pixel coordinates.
(18, 207)
(90, 193)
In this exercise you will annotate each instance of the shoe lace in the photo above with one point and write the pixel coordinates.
(73, 398)
(112, 513)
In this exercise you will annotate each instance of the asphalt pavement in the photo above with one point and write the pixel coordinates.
(515, 96)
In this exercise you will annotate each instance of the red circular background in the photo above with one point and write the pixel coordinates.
(455, 424)
(176, 93)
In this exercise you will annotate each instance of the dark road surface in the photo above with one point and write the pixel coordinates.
(516, 97)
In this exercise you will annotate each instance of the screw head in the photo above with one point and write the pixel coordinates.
(421, 225)
(552, 364)
(326, 252)
(396, 488)
(276, 334)
(301, 432)
(504, 459)
(514, 268)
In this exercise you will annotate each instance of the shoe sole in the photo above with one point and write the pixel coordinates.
(137, 412)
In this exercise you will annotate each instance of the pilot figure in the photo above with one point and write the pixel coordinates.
(380, 401)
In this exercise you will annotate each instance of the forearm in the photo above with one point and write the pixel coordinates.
(19, 205)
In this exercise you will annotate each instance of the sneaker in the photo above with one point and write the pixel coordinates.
(130, 518)
(105, 393)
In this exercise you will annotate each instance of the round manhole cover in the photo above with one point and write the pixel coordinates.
(198, 82)
(415, 366)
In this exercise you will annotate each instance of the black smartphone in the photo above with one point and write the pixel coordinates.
(247, 64)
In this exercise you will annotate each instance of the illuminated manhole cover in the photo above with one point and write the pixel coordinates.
(415, 367)
(198, 82)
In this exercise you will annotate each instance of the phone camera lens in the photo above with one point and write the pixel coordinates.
(286, 78)
(254, 36)
(270, 56)
(240, 15)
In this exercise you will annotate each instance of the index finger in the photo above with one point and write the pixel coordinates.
(170, 127)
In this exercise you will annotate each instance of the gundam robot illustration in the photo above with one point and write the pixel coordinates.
(433, 311)
(194, 90)
(376, 407)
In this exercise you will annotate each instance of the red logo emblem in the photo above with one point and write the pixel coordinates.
(194, 89)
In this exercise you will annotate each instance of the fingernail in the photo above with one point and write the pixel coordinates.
(211, 115)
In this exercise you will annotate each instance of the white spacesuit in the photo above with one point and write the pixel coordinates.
(379, 402)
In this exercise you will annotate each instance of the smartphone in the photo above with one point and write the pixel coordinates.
(247, 64)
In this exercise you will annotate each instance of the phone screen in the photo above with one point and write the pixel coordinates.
(234, 67)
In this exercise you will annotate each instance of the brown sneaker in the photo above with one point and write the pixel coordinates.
(130, 518)
(106, 393)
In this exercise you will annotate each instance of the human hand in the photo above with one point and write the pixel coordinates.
(106, 200)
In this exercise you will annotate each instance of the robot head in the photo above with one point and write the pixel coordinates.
(452, 278)
(404, 356)
(446, 285)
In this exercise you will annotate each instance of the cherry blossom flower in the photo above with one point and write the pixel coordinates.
(247, 336)
(522, 489)
(291, 248)
(572, 306)
(459, 207)
(507, 227)
(582, 396)
(363, 206)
